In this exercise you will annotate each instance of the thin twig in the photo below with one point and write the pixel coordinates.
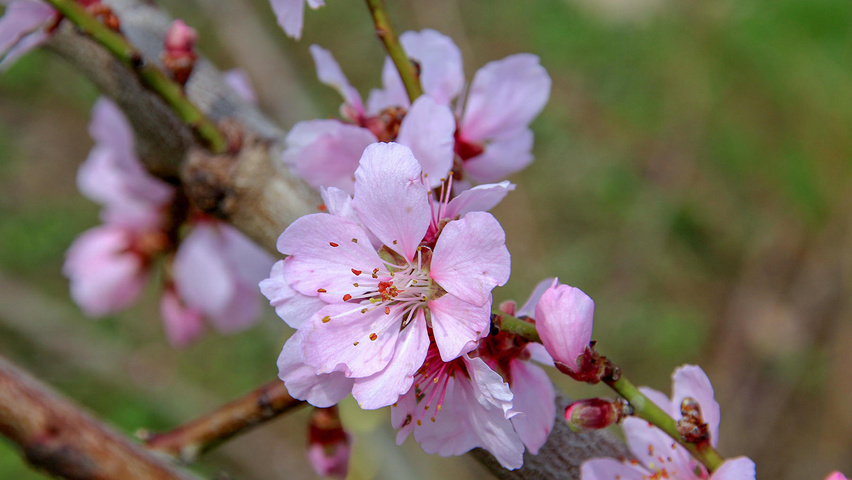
(57, 436)
(189, 441)
(150, 75)
(406, 68)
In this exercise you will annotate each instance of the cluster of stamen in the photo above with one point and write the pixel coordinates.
(430, 385)
(396, 287)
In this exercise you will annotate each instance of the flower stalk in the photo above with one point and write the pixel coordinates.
(152, 77)
(406, 68)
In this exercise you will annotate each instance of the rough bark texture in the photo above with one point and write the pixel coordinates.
(57, 436)
(250, 189)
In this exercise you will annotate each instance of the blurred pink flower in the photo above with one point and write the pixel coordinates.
(329, 446)
(290, 14)
(183, 325)
(106, 268)
(326, 152)
(493, 139)
(22, 28)
(373, 324)
(456, 406)
(836, 476)
(657, 453)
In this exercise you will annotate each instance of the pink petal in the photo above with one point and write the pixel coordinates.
(441, 71)
(326, 152)
(471, 258)
(315, 262)
(535, 399)
(290, 14)
(742, 468)
(183, 325)
(105, 277)
(390, 198)
(239, 80)
(329, 73)
(610, 469)
(539, 354)
(649, 444)
(504, 97)
(836, 476)
(21, 29)
(358, 344)
(241, 311)
(564, 321)
(304, 383)
(250, 262)
(458, 325)
(293, 307)
(330, 463)
(478, 199)
(428, 130)
(691, 381)
(202, 276)
(384, 388)
(501, 158)
(528, 310)
(392, 94)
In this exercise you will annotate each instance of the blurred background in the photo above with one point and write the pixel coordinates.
(692, 175)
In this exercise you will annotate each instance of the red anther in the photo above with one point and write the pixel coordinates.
(321, 207)
(373, 337)
(387, 310)
(321, 290)
(333, 244)
(356, 272)
(347, 297)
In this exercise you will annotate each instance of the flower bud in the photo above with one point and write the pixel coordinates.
(595, 413)
(179, 51)
(329, 446)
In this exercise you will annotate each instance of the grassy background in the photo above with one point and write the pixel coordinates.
(692, 175)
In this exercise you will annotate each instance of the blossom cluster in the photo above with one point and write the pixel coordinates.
(210, 269)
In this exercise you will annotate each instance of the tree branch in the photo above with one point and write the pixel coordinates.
(189, 441)
(56, 436)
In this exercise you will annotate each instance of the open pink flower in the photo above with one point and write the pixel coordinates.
(22, 28)
(373, 327)
(493, 139)
(290, 14)
(657, 454)
(457, 406)
(326, 152)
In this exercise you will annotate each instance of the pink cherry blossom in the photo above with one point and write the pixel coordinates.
(326, 152)
(836, 476)
(373, 326)
(216, 271)
(564, 317)
(493, 139)
(657, 453)
(290, 14)
(457, 406)
(107, 269)
(22, 28)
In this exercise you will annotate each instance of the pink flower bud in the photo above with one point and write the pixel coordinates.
(594, 413)
(563, 318)
(179, 51)
(329, 446)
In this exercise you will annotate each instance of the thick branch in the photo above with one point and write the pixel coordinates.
(194, 438)
(56, 436)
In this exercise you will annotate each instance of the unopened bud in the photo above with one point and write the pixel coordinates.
(179, 51)
(329, 446)
(691, 426)
(596, 413)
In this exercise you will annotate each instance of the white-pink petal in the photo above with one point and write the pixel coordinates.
(691, 381)
(742, 468)
(390, 198)
(428, 130)
(528, 310)
(534, 398)
(471, 257)
(458, 325)
(384, 388)
(239, 81)
(304, 383)
(21, 29)
(325, 153)
(293, 307)
(183, 325)
(610, 469)
(290, 14)
(501, 158)
(330, 73)
(504, 97)
(441, 70)
(480, 198)
(564, 317)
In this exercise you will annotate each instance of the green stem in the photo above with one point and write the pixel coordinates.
(151, 77)
(404, 65)
(645, 409)
(510, 324)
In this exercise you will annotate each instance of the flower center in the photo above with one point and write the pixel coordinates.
(430, 384)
